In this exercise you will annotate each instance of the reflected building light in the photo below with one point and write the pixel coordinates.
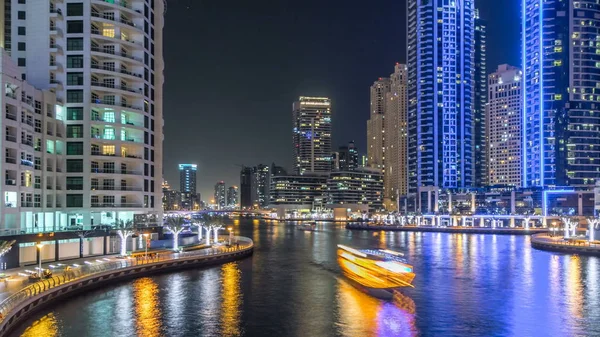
(147, 307)
(46, 326)
(231, 301)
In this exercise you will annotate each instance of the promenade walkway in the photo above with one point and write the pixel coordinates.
(449, 229)
(17, 289)
(559, 244)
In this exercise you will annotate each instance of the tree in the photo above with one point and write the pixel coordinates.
(124, 230)
(570, 225)
(82, 235)
(200, 226)
(593, 223)
(216, 227)
(176, 225)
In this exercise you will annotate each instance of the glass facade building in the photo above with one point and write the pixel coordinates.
(561, 62)
(312, 135)
(441, 58)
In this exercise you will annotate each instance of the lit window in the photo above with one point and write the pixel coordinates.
(108, 150)
(108, 32)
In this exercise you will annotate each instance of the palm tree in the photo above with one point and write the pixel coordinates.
(124, 230)
(592, 225)
(176, 225)
(82, 235)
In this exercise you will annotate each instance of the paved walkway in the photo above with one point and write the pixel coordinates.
(16, 279)
(575, 245)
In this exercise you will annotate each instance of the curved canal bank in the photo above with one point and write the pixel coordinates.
(558, 244)
(456, 229)
(19, 306)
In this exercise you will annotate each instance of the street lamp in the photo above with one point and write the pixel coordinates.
(230, 234)
(146, 235)
(39, 246)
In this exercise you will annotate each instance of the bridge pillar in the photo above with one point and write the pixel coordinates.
(481, 222)
(512, 222)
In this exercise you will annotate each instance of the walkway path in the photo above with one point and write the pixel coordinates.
(558, 243)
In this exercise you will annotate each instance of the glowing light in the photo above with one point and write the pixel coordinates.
(391, 252)
(352, 250)
(393, 266)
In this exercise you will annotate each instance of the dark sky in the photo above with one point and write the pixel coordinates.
(234, 67)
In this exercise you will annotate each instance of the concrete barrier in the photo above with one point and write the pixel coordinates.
(42, 294)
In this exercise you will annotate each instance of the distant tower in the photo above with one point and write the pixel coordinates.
(481, 98)
(312, 135)
(395, 177)
(232, 197)
(504, 120)
(187, 185)
(247, 185)
(376, 123)
(220, 197)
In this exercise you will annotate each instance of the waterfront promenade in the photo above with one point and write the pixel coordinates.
(19, 298)
(452, 229)
(559, 244)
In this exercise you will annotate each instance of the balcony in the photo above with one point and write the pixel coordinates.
(118, 87)
(55, 11)
(11, 95)
(11, 115)
(116, 53)
(11, 160)
(11, 182)
(115, 205)
(114, 70)
(120, 3)
(24, 162)
(111, 17)
(102, 171)
(11, 138)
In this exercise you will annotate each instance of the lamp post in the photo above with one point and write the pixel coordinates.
(39, 246)
(230, 234)
(146, 235)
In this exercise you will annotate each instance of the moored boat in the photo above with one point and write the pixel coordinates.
(375, 268)
(311, 226)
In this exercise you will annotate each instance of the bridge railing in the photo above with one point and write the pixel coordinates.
(93, 268)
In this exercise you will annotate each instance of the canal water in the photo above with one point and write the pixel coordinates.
(466, 285)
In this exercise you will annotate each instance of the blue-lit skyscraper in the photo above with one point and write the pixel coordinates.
(187, 185)
(441, 58)
(312, 135)
(561, 95)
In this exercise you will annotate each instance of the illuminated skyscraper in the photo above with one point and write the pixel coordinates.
(504, 120)
(396, 136)
(187, 185)
(220, 196)
(232, 197)
(481, 94)
(376, 123)
(441, 58)
(312, 135)
(561, 119)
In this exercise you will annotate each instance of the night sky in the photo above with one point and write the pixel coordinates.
(234, 67)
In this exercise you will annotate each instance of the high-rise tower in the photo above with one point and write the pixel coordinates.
(103, 59)
(441, 60)
(504, 120)
(561, 119)
(396, 136)
(312, 135)
(376, 123)
(481, 95)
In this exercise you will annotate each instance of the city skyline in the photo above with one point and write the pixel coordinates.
(190, 139)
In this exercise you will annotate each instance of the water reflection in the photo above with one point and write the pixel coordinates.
(147, 307)
(232, 299)
(363, 315)
(46, 326)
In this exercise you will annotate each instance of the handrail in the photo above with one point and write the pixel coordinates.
(87, 270)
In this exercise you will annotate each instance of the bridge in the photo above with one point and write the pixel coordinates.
(252, 212)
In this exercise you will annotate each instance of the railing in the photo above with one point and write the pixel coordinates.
(10, 115)
(112, 18)
(11, 138)
(112, 52)
(121, 3)
(11, 160)
(79, 272)
(113, 69)
(119, 87)
(121, 205)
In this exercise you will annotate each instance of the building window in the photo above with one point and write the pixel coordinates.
(75, 43)
(74, 78)
(109, 133)
(21, 15)
(74, 200)
(21, 31)
(74, 165)
(21, 62)
(108, 150)
(75, 131)
(74, 61)
(108, 31)
(74, 148)
(74, 96)
(21, 46)
(75, 27)
(74, 114)
(75, 9)
(75, 183)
